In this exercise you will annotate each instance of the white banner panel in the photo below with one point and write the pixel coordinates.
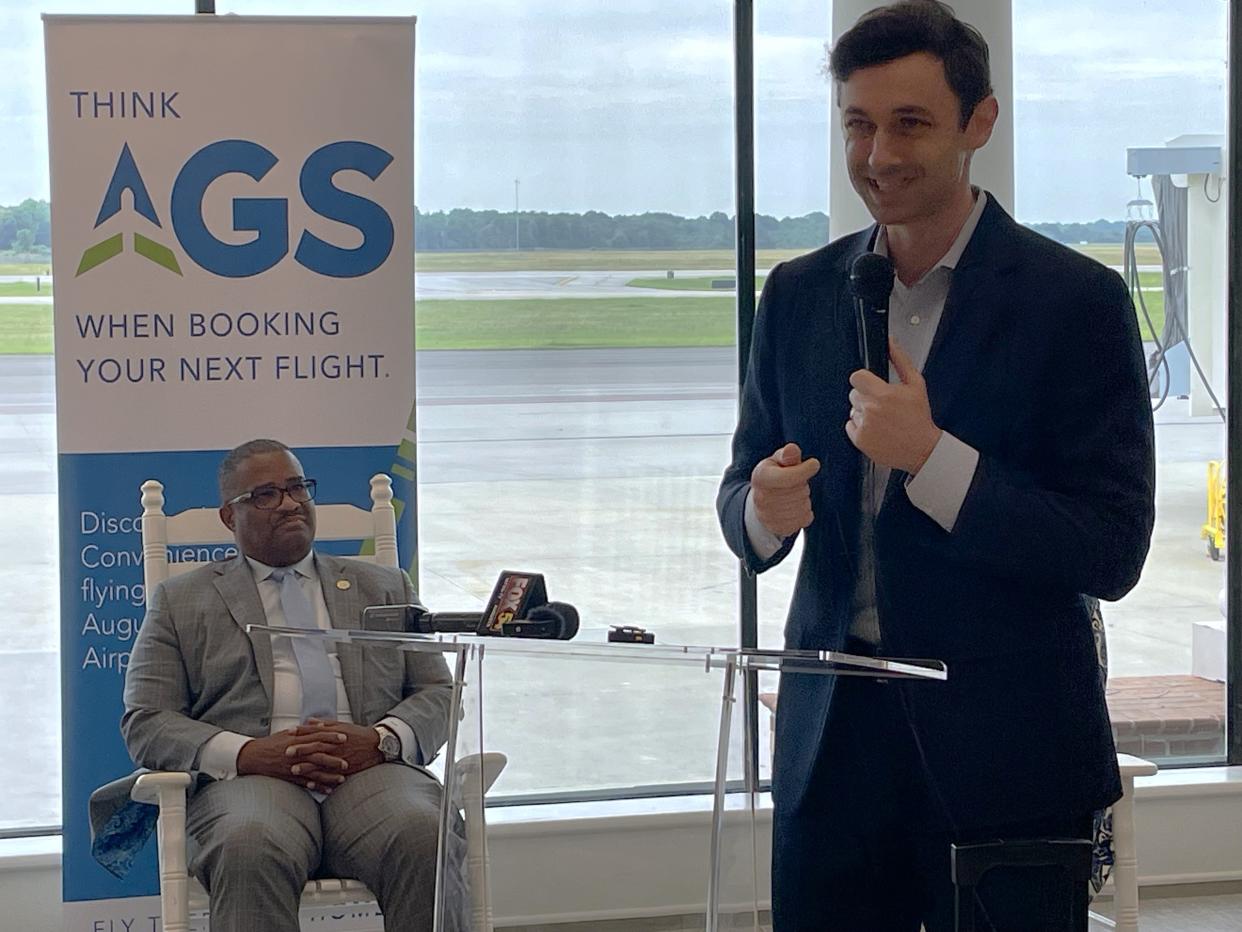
(232, 220)
(232, 202)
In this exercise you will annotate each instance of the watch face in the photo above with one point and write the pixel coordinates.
(390, 746)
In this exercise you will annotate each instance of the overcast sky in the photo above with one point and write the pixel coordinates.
(624, 110)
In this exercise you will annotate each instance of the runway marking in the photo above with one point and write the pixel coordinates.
(27, 407)
(571, 397)
(585, 438)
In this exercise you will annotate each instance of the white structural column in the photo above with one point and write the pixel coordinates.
(992, 167)
(1207, 258)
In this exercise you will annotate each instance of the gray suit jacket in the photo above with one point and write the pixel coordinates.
(195, 671)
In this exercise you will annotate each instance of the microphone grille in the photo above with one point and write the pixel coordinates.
(566, 614)
(871, 278)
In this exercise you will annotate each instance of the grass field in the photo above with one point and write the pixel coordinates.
(1155, 307)
(1149, 280)
(575, 260)
(25, 268)
(24, 289)
(511, 324)
(620, 260)
(562, 322)
(25, 329)
(1110, 253)
(537, 323)
(519, 324)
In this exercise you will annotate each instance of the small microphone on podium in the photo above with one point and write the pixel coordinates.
(518, 607)
(871, 282)
(554, 621)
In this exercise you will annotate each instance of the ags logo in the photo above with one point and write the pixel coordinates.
(266, 217)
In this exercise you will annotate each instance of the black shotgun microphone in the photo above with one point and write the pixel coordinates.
(871, 282)
(413, 619)
(556, 621)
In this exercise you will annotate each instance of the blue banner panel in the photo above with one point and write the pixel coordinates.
(102, 602)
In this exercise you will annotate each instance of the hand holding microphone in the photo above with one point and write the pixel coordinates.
(891, 423)
(781, 491)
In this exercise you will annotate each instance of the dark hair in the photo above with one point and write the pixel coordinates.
(232, 461)
(911, 26)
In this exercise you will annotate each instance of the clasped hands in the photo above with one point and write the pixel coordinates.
(891, 423)
(318, 754)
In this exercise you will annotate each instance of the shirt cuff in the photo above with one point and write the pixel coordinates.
(762, 541)
(218, 757)
(941, 485)
(409, 743)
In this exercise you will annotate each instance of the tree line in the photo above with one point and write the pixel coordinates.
(463, 229)
(26, 228)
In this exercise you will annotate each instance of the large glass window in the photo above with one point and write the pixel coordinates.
(576, 340)
(1090, 85)
(29, 580)
(1148, 76)
(576, 373)
(793, 117)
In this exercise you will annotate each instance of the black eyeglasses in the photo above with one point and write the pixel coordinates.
(267, 497)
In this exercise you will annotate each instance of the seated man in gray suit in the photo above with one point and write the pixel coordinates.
(309, 759)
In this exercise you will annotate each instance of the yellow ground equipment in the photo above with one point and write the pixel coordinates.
(1214, 530)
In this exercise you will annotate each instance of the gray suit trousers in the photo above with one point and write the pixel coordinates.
(254, 841)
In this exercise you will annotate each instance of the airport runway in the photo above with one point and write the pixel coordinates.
(598, 465)
(627, 441)
(488, 414)
(481, 285)
(475, 286)
(491, 376)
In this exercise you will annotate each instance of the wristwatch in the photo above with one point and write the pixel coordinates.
(389, 743)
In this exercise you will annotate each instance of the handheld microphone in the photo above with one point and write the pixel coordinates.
(871, 282)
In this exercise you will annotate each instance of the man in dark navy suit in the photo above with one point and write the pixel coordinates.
(967, 509)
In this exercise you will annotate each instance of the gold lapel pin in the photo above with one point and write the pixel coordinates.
(342, 584)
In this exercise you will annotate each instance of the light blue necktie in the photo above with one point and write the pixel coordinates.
(318, 680)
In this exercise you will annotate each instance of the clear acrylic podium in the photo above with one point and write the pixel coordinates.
(735, 863)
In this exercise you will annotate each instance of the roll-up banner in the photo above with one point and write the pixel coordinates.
(232, 222)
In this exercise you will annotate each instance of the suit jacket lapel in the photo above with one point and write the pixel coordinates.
(973, 312)
(236, 586)
(340, 592)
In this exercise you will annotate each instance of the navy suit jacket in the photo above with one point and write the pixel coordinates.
(1038, 365)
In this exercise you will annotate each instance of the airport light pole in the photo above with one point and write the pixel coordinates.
(517, 218)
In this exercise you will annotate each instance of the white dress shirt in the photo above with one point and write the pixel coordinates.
(218, 757)
(940, 487)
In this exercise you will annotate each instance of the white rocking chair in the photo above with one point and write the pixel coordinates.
(180, 894)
